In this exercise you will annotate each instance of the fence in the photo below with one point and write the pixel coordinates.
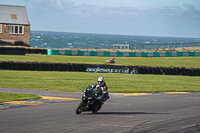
(122, 54)
(155, 46)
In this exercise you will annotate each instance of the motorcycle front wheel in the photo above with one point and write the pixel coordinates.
(79, 108)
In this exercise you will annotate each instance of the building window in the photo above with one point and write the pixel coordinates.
(16, 29)
(0, 28)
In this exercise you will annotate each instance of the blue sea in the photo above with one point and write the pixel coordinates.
(46, 39)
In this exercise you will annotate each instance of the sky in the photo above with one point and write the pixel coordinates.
(168, 18)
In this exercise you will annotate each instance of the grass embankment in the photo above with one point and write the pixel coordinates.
(78, 81)
(187, 62)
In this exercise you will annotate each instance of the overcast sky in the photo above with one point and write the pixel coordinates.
(172, 18)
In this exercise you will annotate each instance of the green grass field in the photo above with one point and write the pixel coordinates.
(187, 62)
(78, 81)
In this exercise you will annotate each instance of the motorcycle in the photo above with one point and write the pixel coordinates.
(89, 101)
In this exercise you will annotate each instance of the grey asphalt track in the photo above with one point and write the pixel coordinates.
(164, 113)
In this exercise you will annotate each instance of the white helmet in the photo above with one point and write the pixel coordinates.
(100, 80)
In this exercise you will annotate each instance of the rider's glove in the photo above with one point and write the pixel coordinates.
(89, 89)
(99, 98)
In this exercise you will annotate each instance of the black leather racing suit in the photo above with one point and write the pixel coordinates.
(102, 91)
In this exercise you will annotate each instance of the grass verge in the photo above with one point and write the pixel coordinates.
(187, 62)
(6, 97)
(117, 83)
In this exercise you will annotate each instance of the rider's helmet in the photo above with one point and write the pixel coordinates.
(100, 80)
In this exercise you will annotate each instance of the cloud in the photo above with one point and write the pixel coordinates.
(87, 17)
(88, 11)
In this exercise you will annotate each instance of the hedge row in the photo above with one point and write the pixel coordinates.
(35, 51)
(169, 71)
(41, 66)
(12, 50)
(21, 50)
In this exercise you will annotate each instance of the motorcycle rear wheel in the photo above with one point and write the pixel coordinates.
(79, 108)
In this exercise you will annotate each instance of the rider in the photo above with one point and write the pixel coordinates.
(101, 89)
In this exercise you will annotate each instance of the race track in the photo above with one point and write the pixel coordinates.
(174, 113)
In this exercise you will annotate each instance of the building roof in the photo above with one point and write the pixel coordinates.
(10, 14)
